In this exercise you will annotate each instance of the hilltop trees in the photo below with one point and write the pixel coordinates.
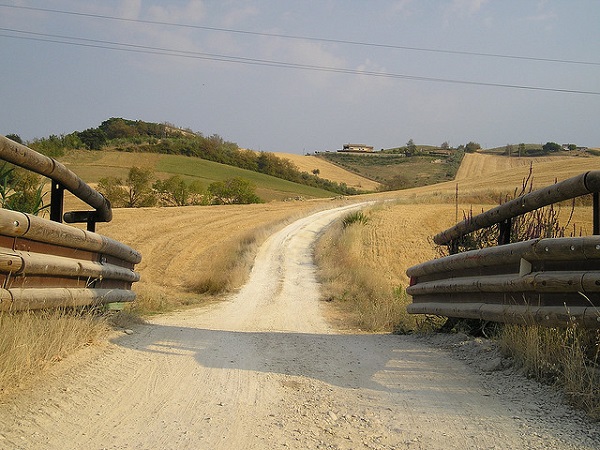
(411, 148)
(551, 147)
(472, 147)
(145, 137)
(93, 138)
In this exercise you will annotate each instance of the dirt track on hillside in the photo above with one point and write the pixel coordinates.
(265, 370)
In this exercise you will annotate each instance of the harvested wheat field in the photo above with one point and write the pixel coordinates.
(264, 367)
(477, 182)
(330, 171)
(478, 164)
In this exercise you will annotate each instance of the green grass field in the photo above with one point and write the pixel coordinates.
(91, 166)
(398, 171)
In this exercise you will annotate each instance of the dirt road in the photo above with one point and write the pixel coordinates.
(264, 370)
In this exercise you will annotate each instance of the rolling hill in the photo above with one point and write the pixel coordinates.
(92, 166)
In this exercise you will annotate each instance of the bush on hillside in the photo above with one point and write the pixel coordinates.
(233, 191)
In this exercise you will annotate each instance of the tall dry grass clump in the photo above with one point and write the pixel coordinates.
(32, 340)
(359, 291)
(150, 299)
(230, 268)
(568, 357)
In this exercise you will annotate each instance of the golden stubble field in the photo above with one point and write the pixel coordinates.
(180, 245)
(308, 163)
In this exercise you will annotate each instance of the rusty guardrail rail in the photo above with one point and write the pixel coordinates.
(551, 282)
(45, 263)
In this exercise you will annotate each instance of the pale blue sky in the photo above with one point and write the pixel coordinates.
(49, 87)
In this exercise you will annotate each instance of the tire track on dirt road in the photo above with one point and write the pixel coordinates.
(262, 370)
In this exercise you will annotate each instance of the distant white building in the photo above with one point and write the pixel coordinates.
(363, 148)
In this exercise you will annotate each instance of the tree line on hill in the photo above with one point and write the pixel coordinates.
(141, 189)
(139, 136)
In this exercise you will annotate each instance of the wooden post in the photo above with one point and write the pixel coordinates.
(596, 213)
(56, 202)
(504, 237)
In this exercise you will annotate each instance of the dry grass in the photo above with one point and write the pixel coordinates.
(231, 270)
(359, 292)
(330, 171)
(568, 357)
(31, 341)
(363, 265)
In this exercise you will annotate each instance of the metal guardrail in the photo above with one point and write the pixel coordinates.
(586, 183)
(551, 282)
(47, 264)
(62, 178)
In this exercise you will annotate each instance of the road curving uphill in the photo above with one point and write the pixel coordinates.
(264, 369)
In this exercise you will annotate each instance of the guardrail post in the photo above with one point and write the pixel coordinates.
(57, 202)
(504, 237)
(596, 213)
(454, 247)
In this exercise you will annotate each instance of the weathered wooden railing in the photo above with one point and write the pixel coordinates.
(551, 281)
(47, 264)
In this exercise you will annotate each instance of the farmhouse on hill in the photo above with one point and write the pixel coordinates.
(361, 148)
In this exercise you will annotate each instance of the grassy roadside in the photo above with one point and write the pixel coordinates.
(223, 273)
(566, 357)
(359, 291)
(31, 341)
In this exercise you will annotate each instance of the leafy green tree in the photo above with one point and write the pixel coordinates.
(472, 147)
(139, 188)
(113, 189)
(551, 147)
(115, 128)
(411, 148)
(93, 138)
(197, 193)
(55, 146)
(233, 191)
(135, 192)
(509, 149)
(522, 149)
(174, 191)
